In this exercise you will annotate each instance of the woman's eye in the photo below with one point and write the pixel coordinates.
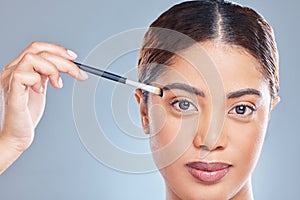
(242, 110)
(184, 105)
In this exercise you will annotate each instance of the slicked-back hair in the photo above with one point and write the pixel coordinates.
(212, 20)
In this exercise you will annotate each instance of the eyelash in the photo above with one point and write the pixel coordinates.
(175, 103)
(249, 110)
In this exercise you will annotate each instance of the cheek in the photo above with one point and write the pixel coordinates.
(171, 135)
(157, 119)
(164, 136)
(167, 128)
(247, 139)
(159, 123)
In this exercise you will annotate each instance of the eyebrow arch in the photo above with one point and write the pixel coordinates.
(185, 87)
(243, 92)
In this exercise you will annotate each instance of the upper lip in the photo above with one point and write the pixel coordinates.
(209, 167)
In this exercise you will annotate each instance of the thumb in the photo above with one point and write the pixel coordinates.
(20, 83)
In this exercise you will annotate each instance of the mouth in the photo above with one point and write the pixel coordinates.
(208, 173)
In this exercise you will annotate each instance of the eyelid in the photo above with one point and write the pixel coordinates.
(244, 103)
(178, 99)
(250, 106)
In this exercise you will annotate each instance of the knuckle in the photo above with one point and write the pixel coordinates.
(54, 74)
(29, 56)
(16, 75)
(35, 45)
(44, 54)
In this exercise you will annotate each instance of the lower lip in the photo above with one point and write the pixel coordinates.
(208, 177)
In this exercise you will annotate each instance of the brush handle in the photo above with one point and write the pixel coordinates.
(120, 79)
(101, 73)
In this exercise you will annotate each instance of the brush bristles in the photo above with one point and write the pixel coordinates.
(148, 88)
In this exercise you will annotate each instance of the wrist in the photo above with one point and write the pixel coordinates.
(17, 145)
(9, 152)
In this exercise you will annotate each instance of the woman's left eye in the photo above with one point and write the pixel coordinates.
(242, 110)
(184, 105)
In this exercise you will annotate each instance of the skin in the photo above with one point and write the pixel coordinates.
(24, 83)
(240, 140)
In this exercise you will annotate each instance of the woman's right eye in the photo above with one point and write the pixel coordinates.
(184, 105)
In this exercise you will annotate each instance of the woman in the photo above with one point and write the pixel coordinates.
(219, 139)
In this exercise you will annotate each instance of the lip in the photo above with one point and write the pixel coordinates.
(208, 173)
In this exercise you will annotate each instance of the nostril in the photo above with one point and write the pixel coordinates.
(204, 147)
(219, 148)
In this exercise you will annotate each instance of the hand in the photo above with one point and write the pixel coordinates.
(24, 85)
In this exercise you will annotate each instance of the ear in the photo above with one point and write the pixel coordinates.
(143, 110)
(274, 102)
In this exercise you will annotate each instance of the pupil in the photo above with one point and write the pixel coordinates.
(240, 109)
(184, 105)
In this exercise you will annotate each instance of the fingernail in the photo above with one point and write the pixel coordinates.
(72, 54)
(42, 89)
(82, 75)
(60, 83)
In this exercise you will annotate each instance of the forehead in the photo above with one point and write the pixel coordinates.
(233, 66)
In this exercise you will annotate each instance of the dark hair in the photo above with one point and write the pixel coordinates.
(209, 20)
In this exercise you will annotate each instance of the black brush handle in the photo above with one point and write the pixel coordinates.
(104, 74)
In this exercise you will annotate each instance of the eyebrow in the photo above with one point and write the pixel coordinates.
(193, 90)
(243, 92)
(185, 87)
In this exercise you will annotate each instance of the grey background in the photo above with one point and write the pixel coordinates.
(57, 166)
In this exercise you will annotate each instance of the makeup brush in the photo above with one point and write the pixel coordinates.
(120, 79)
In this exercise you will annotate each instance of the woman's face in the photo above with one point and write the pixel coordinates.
(208, 167)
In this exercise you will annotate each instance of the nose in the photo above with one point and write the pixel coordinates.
(213, 137)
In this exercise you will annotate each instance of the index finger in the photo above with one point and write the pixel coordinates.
(37, 46)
